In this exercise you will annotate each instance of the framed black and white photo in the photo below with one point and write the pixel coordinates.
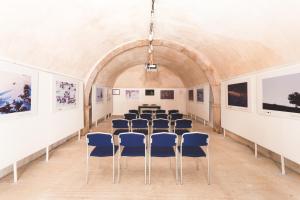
(115, 91)
(237, 94)
(99, 94)
(191, 95)
(167, 94)
(200, 95)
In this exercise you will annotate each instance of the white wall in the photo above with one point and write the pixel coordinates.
(121, 105)
(200, 109)
(25, 134)
(278, 134)
(101, 109)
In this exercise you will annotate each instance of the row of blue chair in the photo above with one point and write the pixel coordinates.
(172, 117)
(158, 125)
(164, 144)
(159, 111)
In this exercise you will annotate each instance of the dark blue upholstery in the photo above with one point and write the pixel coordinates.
(99, 139)
(192, 151)
(134, 111)
(118, 131)
(139, 123)
(133, 143)
(161, 116)
(132, 139)
(130, 116)
(120, 123)
(183, 123)
(195, 139)
(147, 111)
(146, 116)
(172, 111)
(103, 151)
(160, 111)
(176, 116)
(160, 130)
(161, 123)
(162, 144)
(181, 131)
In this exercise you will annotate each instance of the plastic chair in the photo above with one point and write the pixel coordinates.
(103, 144)
(191, 144)
(132, 145)
(163, 145)
(140, 126)
(182, 126)
(120, 126)
(160, 125)
(161, 116)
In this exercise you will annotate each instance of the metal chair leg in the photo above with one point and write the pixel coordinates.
(113, 168)
(181, 179)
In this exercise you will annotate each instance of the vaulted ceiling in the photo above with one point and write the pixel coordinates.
(72, 36)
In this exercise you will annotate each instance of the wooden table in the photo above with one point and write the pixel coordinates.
(151, 107)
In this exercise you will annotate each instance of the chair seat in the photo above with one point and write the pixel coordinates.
(118, 131)
(133, 151)
(192, 152)
(160, 130)
(162, 152)
(144, 131)
(181, 131)
(103, 151)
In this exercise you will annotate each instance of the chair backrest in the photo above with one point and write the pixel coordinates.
(139, 123)
(120, 123)
(194, 139)
(176, 116)
(100, 139)
(163, 139)
(146, 116)
(183, 123)
(134, 111)
(161, 116)
(172, 111)
(147, 111)
(132, 139)
(160, 111)
(130, 116)
(160, 123)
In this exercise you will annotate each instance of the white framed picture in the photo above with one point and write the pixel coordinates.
(18, 90)
(132, 94)
(99, 94)
(115, 91)
(66, 93)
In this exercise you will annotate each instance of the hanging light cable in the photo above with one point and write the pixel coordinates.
(150, 66)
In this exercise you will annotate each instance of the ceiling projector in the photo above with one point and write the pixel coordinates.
(151, 67)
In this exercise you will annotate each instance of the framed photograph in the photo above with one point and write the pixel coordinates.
(149, 92)
(99, 94)
(237, 95)
(200, 95)
(15, 92)
(132, 94)
(281, 93)
(167, 94)
(191, 95)
(115, 91)
(66, 93)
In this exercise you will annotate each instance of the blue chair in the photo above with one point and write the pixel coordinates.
(104, 146)
(134, 111)
(132, 145)
(161, 116)
(140, 126)
(191, 144)
(160, 111)
(130, 116)
(160, 125)
(173, 111)
(182, 126)
(148, 117)
(163, 145)
(174, 117)
(147, 111)
(120, 126)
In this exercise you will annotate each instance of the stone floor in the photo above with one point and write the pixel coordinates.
(236, 174)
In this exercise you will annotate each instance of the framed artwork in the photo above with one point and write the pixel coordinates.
(115, 91)
(15, 92)
(200, 95)
(191, 95)
(281, 93)
(132, 94)
(66, 94)
(149, 92)
(99, 95)
(167, 94)
(237, 94)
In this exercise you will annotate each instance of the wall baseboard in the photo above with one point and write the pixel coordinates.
(8, 170)
(264, 152)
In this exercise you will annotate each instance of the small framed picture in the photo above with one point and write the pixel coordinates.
(115, 91)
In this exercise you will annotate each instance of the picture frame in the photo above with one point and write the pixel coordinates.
(167, 94)
(191, 95)
(115, 91)
(200, 95)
